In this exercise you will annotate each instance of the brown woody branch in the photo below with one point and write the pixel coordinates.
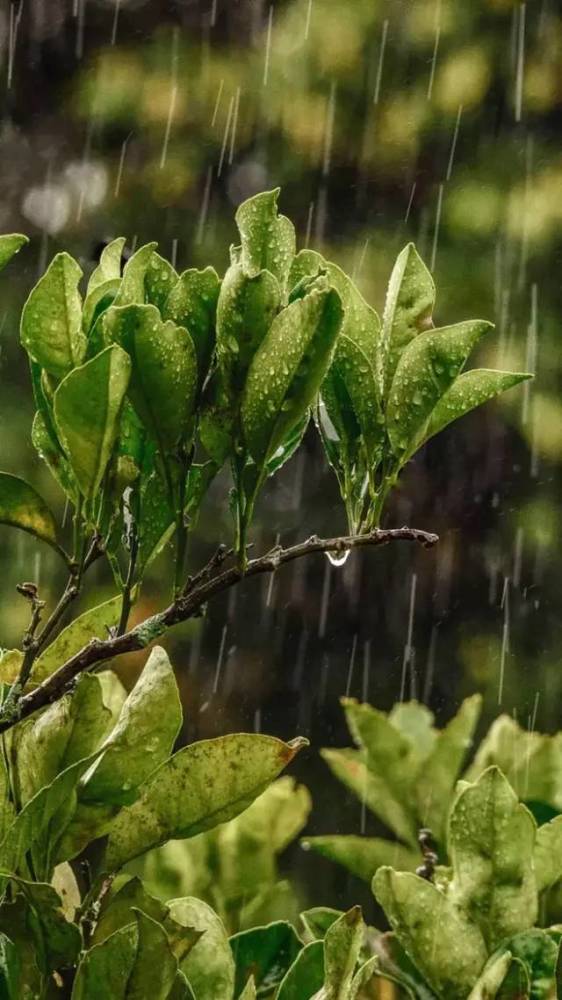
(190, 604)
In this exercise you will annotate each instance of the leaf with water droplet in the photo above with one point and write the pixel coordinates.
(160, 277)
(470, 390)
(408, 308)
(91, 624)
(164, 370)
(491, 841)
(22, 507)
(288, 369)
(267, 239)
(53, 458)
(87, 408)
(51, 320)
(427, 368)
(10, 244)
(288, 447)
(96, 302)
(352, 370)
(132, 290)
(246, 308)
(109, 267)
(192, 303)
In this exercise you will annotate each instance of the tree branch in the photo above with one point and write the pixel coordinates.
(190, 604)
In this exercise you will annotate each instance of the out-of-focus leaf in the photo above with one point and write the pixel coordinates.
(395, 964)
(491, 840)
(537, 951)
(67, 731)
(342, 945)
(470, 390)
(267, 239)
(10, 244)
(10, 665)
(371, 787)
(317, 921)
(287, 370)
(306, 975)
(516, 983)
(415, 722)
(109, 266)
(488, 984)
(159, 279)
(57, 942)
(10, 970)
(132, 290)
(363, 855)
(51, 321)
(369, 982)
(532, 762)
(143, 738)
(92, 624)
(445, 946)
(389, 754)
(427, 368)
(246, 308)
(87, 407)
(436, 779)
(209, 966)
(164, 370)
(201, 786)
(192, 303)
(267, 953)
(408, 308)
(548, 853)
(22, 507)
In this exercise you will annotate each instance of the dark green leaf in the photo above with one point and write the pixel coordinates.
(246, 308)
(96, 302)
(10, 970)
(408, 309)
(132, 290)
(267, 953)
(159, 279)
(267, 239)
(51, 321)
(40, 915)
(192, 303)
(306, 975)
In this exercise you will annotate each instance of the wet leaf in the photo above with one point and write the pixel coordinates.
(87, 408)
(96, 302)
(444, 945)
(532, 762)
(491, 840)
(109, 266)
(408, 308)
(51, 321)
(192, 303)
(92, 624)
(53, 457)
(288, 447)
(388, 753)
(470, 390)
(117, 911)
(201, 786)
(287, 370)
(548, 854)
(10, 244)
(40, 916)
(246, 308)
(217, 420)
(164, 370)
(435, 781)
(427, 368)
(492, 977)
(159, 279)
(363, 855)
(132, 290)
(317, 921)
(342, 945)
(143, 738)
(372, 788)
(306, 974)
(537, 951)
(22, 507)
(157, 523)
(10, 970)
(267, 953)
(209, 966)
(267, 239)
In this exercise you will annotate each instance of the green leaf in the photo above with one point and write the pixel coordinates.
(491, 840)
(267, 953)
(427, 368)
(159, 279)
(537, 951)
(342, 945)
(96, 302)
(134, 963)
(157, 523)
(143, 738)
(201, 786)
(287, 370)
(317, 921)
(53, 457)
(288, 447)
(363, 855)
(470, 390)
(10, 244)
(268, 239)
(408, 308)
(516, 983)
(87, 408)
(92, 624)
(10, 970)
(246, 308)
(51, 321)
(209, 966)
(164, 370)
(217, 420)
(371, 788)
(352, 367)
(22, 507)
(66, 732)
(57, 942)
(117, 909)
(306, 975)
(132, 290)
(435, 781)
(415, 722)
(492, 978)
(389, 754)
(192, 303)
(109, 266)
(535, 771)
(444, 945)
(369, 982)
(548, 854)
(249, 991)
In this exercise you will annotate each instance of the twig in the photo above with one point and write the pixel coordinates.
(189, 606)
(30, 592)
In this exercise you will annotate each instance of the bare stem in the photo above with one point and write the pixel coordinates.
(190, 604)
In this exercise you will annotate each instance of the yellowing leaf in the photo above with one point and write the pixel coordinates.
(22, 507)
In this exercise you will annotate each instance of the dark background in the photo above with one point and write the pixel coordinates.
(154, 120)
